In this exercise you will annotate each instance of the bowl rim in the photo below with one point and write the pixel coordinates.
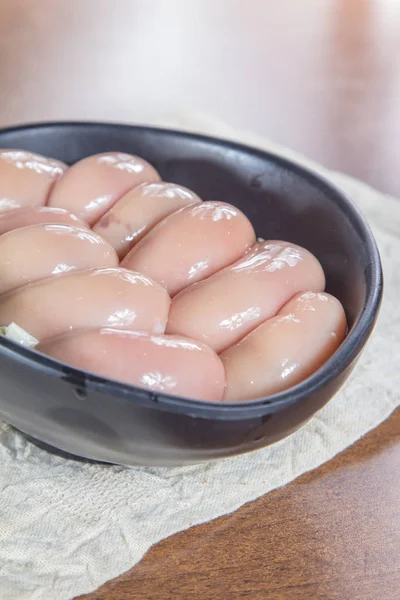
(339, 362)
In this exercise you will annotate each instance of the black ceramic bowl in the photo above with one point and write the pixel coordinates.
(104, 420)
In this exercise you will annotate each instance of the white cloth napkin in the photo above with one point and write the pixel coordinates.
(67, 527)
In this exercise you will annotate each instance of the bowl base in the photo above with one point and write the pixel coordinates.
(60, 453)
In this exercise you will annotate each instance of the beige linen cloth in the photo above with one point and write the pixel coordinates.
(67, 527)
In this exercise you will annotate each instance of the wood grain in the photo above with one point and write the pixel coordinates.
(322, 77)
(333, 534)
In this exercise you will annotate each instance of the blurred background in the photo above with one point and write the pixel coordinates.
(320, 76)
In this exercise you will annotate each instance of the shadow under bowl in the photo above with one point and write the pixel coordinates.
(103, 420)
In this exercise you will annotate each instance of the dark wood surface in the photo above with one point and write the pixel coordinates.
(332, 534)
(321, 76)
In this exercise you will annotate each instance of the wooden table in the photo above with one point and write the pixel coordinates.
(321, 76)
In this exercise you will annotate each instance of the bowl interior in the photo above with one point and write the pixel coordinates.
(282, 201)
